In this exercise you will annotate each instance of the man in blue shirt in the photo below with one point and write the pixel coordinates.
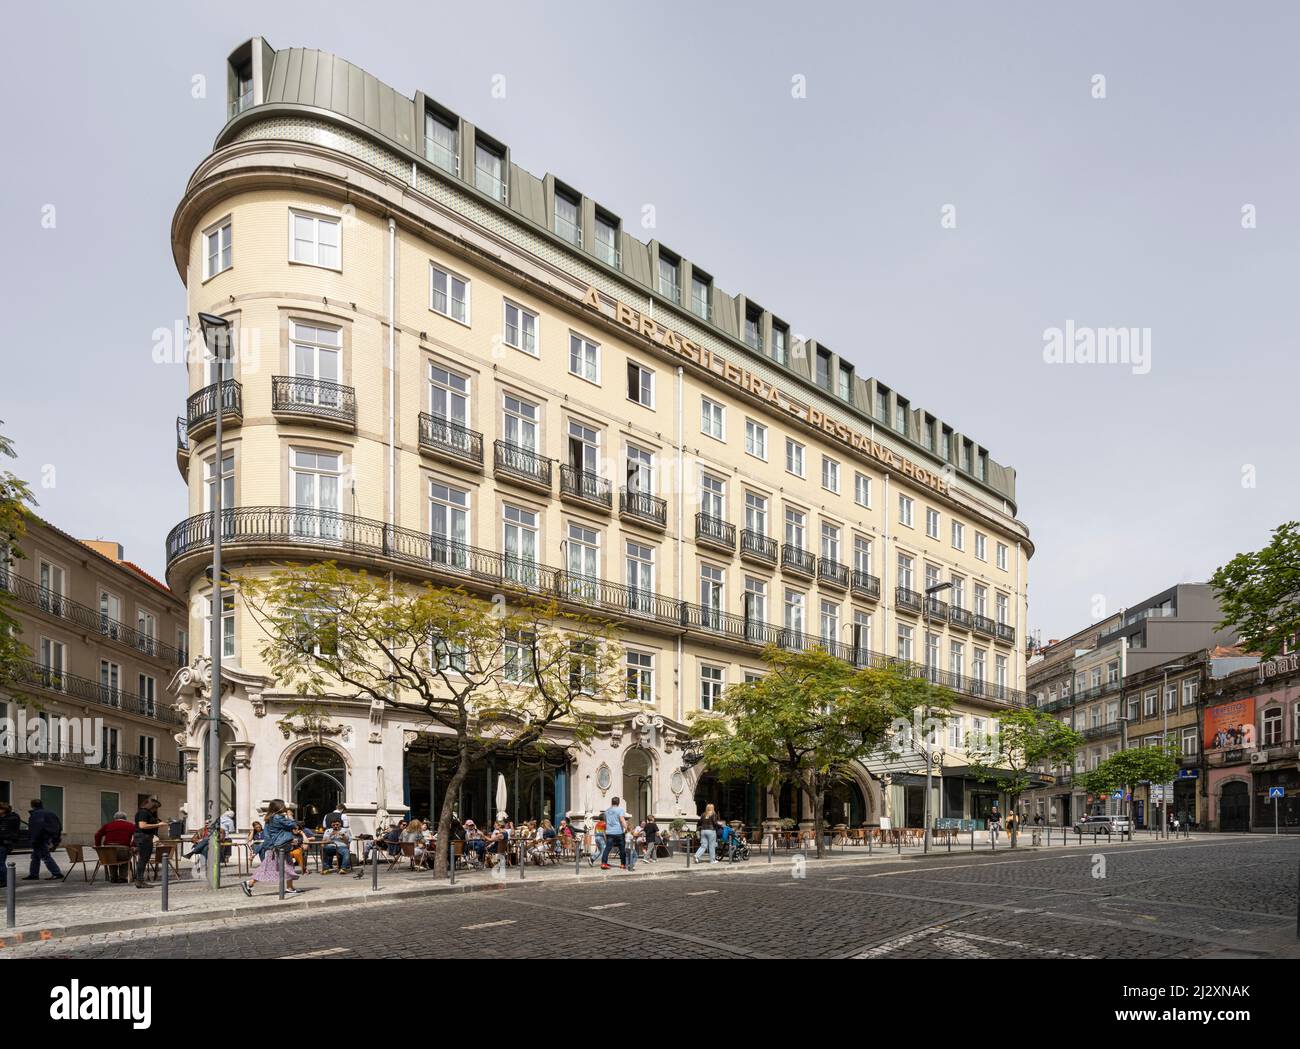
(615, 829)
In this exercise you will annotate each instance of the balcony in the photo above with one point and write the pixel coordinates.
(866, 585)
(591, 592)
(715, 533)
(522, 466)
(296, 397)
(450, 441)
(182, 447)
(832, 573)
(984, 625)
(756, 547)
(201, 408)
(642, 508)
(743, 629)
(959, 617)
(1006, 634)
(585, 487)
(798, 561)
(1110, 728)
(936, 609)
(33, 675)
(906, 600)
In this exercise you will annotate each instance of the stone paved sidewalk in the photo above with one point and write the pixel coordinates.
(52, 909)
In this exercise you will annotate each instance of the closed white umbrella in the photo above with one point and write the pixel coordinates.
(381, 796)
(501, 796)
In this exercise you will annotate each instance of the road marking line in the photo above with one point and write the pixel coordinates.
(606, 906)
(703, 892)
(316, 954)
(488, 925)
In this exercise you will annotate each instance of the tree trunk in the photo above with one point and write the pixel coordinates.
(818, 805)
(442, 846)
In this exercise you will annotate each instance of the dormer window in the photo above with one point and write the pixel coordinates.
(824, 369)
(441, 142)
(754, 328)
(668, 286)
(900, 416)
(567, 223)
(243, 89)
(490, 170)
(846, 382)
(701, 294)
(607, 239)
(780, 344)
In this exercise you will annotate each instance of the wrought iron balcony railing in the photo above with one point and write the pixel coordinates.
(642, 506)
(182, 436)
(313, 398)
(758, 546)
(523, 464)
(445, 437)
(798, 560)
(715, 532)
(1006, 633)
(33, 675)
(201, 408)
(866, 585)
(587, 486)
(959, 617)
(832, 572)
(984, 625)
(936, 609)
(907, 600)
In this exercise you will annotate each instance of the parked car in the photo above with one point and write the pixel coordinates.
(1107, 825)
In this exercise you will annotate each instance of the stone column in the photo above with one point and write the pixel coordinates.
(189, 759)
(243, 755)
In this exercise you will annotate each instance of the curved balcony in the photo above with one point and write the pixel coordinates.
(296, 397)
(715, 533)
(643, 508)
(182, 447)
(450, 441)
(201, 408)
(583, 486)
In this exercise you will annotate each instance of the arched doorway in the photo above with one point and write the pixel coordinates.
(1234, 807)
(733, 799)
(638, 784)
(844, 803)
(318, 783)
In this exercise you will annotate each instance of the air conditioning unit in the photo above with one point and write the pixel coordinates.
(1259, 757)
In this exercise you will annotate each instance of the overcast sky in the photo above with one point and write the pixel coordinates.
(1117, 211)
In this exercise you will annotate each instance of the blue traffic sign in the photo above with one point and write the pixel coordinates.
(1277, 792)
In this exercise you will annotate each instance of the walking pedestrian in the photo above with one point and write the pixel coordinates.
(651, 839)
(277, 838)
(615, 835)
(147, 825)
(708, 828)
(46, 830)
(10, 824)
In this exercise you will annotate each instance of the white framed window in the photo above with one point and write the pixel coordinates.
(796, 528)
(830, 474)
(958, 536)
(448, 395)
(1002, 606)
(906, 508)
(862, 489)
(861, 636)
(713, 496)
(1271, 723)
(932, 523)
(314, 485)
(584, 447)
(521, 422)
(216, 248)
(982, 609)
(640, 470)
(584, 358)
(1188, 748)
(440, 142)
(315, 240)
(862, 554)
(1191, 690)
(957, 592)
(640, 676)
(448, 523)
(712, 681)
(147, 690)
(227, 625)
(1149, 703)
(713, 419)
(182, 646)
(1000, 673)
(110, 683)
(520, 328)
(755, 601)
(957, 661)
(583, 551)
(756, 439)
(52, 580)
(316, 354)
(520, 532)
(489, 171)
(146, 631)
(981, 546)
(794, 616)
(1002, 556)
(110, 615)
(830, 622)
(756, 513)
(147, 749)
(830, 542)
(906, 568)
(640, 384)
(448, 294)
(518, 665)
(904, 642)
(794, 457)
(712, 594)
(639, 564)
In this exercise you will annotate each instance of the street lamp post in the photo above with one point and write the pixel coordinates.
(1164, 739)
(216, 336)
(929, 740)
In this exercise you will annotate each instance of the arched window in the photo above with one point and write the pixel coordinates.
(318, 784)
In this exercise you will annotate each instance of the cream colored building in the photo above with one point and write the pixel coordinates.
(452, 370)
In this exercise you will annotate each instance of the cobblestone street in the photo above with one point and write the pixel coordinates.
(1211, 897)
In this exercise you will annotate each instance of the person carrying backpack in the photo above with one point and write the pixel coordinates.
(46, 830)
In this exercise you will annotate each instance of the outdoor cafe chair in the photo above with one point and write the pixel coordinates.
(108, 857)
(77, 854)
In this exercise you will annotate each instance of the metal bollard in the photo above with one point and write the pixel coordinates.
(771, 846)
(577, 858)
(166, 880)
(899, 839)
(374, 868)
(522, 858)
(11, 888)
(972, 839)
(451, 869)
(284, 862)
(950, 841)
(993, 839)
(687, 850)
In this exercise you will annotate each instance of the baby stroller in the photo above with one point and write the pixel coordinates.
(734, 849)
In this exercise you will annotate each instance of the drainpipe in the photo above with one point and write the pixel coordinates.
(681, 498)
(392, 377)
(884, 566)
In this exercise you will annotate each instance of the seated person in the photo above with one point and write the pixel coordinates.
(390, 841)
(337, 842)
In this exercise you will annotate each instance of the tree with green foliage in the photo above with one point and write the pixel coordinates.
(1026, 738)
(1127, 768)
(15, 498)
(807, 721)
(1259, 592)
(495, 680)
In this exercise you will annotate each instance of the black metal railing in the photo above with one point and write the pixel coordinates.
(334, 535)
(959, 617)
(583, 484)
(1007, 633)
(523, 463)
(936, 609)
(907, 599)
(315, 398)
(33, 675)
(201, 407)
(829, 571)
(797, 559)
(866, 585)
(127, 764)
(984, 625)
(643, 507)
(715, 531)
(89, 619)
(758, 545)
(442, 435)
